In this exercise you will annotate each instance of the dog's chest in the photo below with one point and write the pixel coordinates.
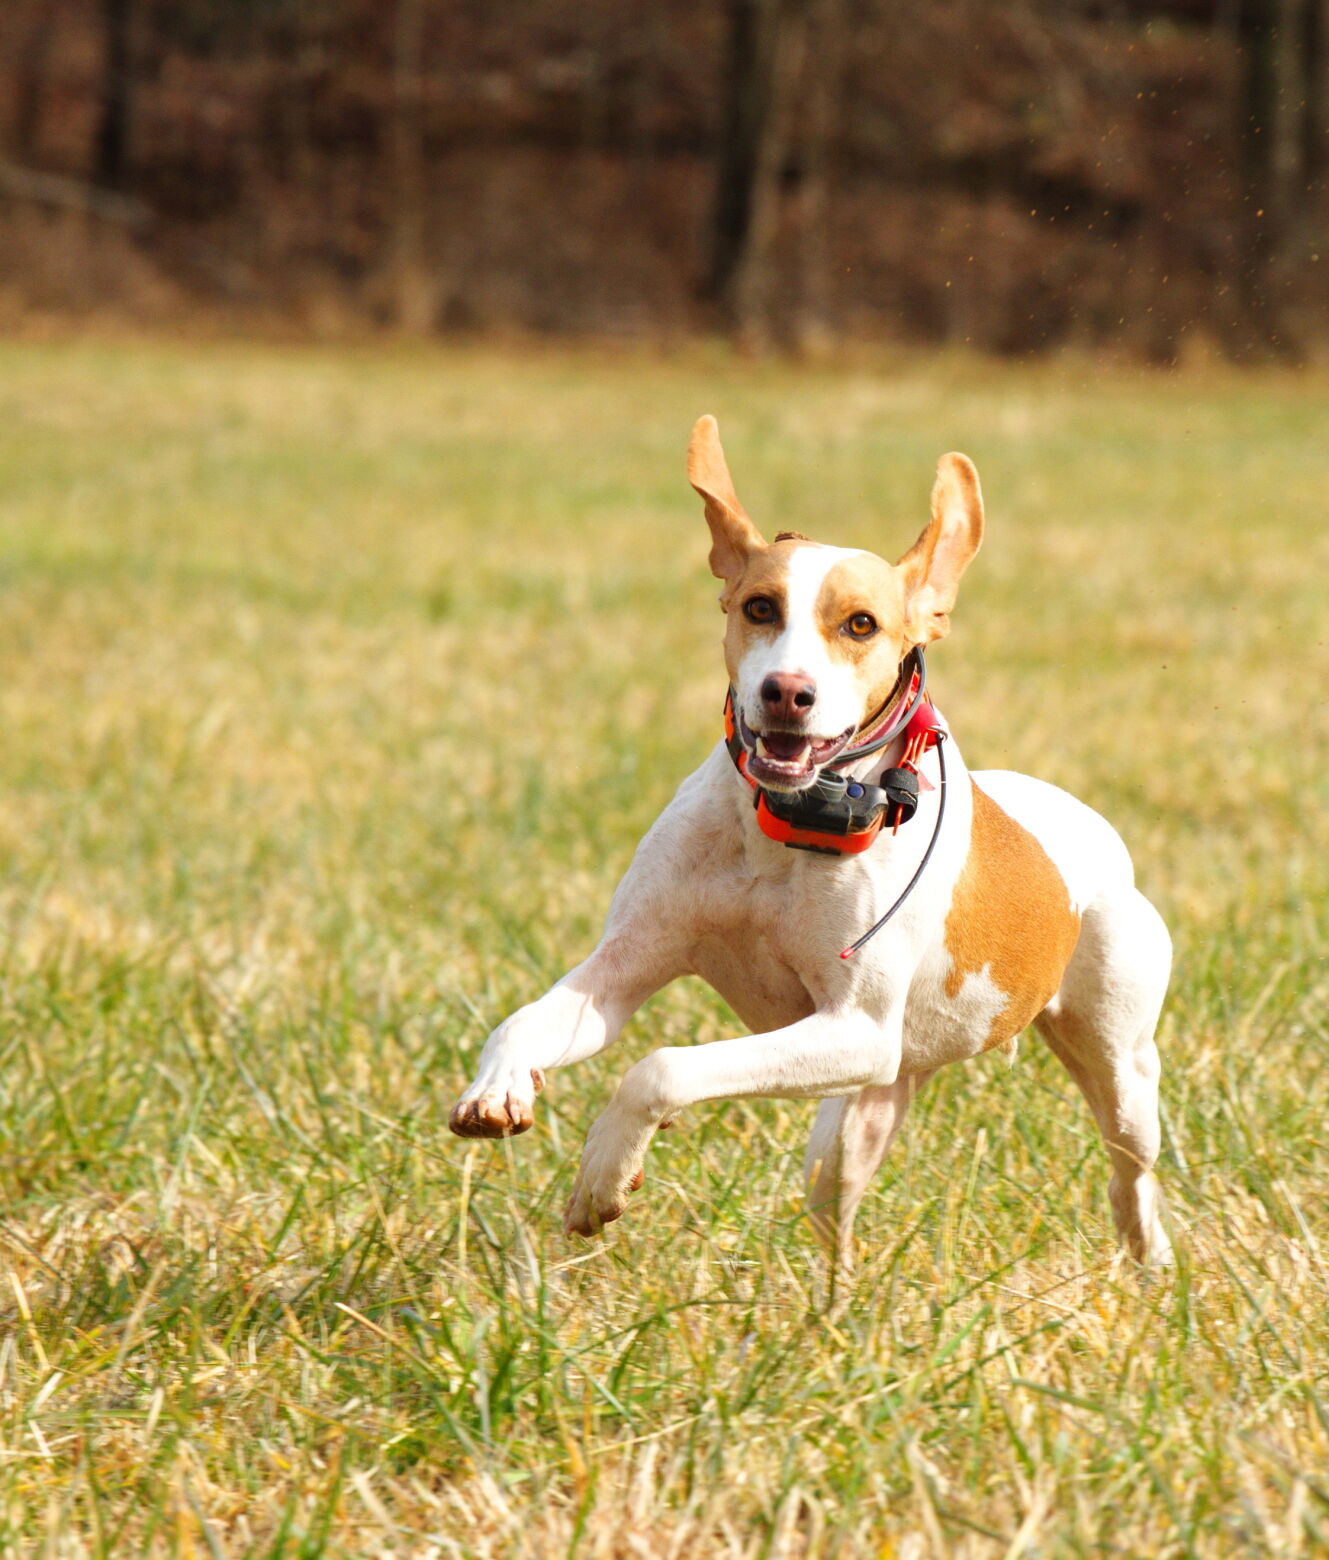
(979, 951)
(750, 941)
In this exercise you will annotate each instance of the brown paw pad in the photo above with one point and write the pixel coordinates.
(520, 1115)
(488, 1119)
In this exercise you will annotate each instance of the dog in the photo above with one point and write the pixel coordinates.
(1009, 902)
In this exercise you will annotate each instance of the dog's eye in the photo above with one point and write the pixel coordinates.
(862, 625)
(761, 609)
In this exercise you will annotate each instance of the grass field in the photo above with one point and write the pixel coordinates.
(336, 688)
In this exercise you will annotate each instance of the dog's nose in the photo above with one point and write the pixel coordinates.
(788, 695)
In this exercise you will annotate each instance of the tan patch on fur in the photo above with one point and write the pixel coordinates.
(865, 583)
(766, 574)
(1011, 916)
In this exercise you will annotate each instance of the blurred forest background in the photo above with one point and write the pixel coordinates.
(1139, 177)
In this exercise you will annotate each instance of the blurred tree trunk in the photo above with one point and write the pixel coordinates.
(413, 291)
(1314, 129)
(34, 58)
(820, 33)
(747, 168)
(1271, 149)
(111, 151)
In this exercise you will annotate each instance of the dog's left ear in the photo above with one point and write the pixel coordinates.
(934, 564)
(733, 535)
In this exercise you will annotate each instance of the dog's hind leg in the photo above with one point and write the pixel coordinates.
(1100, 1025)
(850, 1138)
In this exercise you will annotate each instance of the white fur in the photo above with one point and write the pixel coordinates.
(707, 893)
(801, 647)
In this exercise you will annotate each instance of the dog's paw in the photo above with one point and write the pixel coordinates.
(611, 1162)
(1152, 1250)
(1137, 1207)
(497, 1112)
(589, 1210)
(610, 1171)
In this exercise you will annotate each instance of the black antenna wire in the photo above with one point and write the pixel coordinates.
(872, 931)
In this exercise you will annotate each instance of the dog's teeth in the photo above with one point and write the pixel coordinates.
(792, 765)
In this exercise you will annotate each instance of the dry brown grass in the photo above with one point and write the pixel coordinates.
(336, 689)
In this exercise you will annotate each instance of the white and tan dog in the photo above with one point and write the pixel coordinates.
(1026, 910)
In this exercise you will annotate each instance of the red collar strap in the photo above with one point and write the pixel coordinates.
(898, 711)
(838, 816)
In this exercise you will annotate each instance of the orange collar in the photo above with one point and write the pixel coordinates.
(835, 815)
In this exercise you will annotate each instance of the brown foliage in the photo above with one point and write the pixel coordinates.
(1013, 178)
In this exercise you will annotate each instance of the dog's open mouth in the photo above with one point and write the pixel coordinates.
(789, 759)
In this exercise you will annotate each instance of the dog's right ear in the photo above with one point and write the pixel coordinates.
(933, 565)
(734, 538)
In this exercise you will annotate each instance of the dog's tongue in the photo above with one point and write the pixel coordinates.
(784, 745)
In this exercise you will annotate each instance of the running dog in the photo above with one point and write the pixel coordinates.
(869, 908)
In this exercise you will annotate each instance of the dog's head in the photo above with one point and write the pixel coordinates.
(816, 634)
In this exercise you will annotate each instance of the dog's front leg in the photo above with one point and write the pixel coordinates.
(579, 1016)
(829, 1053)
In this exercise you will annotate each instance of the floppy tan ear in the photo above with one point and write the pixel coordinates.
(733, 535)
(934, 564)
